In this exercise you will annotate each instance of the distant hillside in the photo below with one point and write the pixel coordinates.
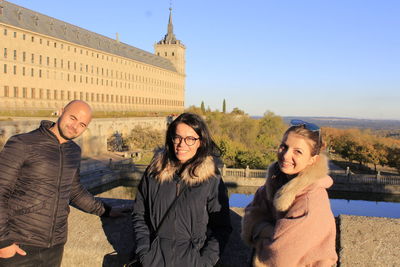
(344, 123)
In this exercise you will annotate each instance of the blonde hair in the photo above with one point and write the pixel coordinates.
(315, 137)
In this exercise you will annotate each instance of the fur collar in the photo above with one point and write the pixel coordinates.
(203, 172)
(282, 192)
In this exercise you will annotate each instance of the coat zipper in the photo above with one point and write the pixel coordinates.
(178, 186)
(57, 202)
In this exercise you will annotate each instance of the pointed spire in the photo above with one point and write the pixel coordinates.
(170, 26)
(169, 38)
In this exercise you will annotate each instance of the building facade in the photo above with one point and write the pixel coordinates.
(45, 63)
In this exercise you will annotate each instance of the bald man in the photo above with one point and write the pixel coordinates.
(39, 178)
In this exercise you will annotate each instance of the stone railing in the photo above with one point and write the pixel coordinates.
(348, 176)
(247, 173)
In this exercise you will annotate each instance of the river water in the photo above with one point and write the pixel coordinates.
(362, 204)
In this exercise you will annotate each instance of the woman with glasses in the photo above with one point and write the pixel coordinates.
(181, 212)
(290, 222)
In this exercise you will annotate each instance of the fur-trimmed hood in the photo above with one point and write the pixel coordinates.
(282, 193)
(203, 172)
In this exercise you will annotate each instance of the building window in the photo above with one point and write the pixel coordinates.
(48, 61)
(55, 94)
(40, 73)
(15, 54)
(33, 59)
(62, 95)
(6, 93)
(16, 93)
(23, 71)
(5, 31)
(23, 56)
(5, 52)
(15, 69)
(40, 59)
(5, 68)
(33, 39)
(15, 34)
(173, 54)
(48, 94)
(55, 62)
(33, 93)
(32, 72)
(23, 36)
(24, 92)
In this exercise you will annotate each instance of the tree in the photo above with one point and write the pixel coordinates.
(202, 107)
(271, 129)
(394, 158)
(224, 106)
(194, 109)
(144, 138)
(237, 111)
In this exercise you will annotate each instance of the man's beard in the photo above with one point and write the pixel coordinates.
(62, 133)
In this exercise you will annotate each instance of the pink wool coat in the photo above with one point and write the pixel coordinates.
(290, 222)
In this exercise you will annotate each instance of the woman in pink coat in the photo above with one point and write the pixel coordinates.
(290, 222)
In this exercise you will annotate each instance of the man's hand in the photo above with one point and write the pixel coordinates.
(11, 250)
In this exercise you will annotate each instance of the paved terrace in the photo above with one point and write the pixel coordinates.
(361, 241)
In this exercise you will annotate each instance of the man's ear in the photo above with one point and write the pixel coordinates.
(60, 112)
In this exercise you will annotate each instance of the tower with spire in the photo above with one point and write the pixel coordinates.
(171, 48)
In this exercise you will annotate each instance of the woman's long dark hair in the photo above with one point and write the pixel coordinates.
(207, 145)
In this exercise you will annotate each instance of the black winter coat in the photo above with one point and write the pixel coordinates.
(39, 177)
(195, 231)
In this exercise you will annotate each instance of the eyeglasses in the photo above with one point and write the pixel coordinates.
(189, 140)
(309, 126)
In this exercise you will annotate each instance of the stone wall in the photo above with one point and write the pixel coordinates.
(94, 140)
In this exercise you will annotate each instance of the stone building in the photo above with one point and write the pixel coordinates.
(45, 63)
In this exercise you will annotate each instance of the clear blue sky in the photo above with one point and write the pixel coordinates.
(294, 58)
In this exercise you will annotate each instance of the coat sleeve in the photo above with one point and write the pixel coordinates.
(140, 213)
(12, 158)
(306, 232)
(219, 223)
(257, 222)
(83, 200)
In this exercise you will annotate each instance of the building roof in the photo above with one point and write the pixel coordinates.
(33, 21)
